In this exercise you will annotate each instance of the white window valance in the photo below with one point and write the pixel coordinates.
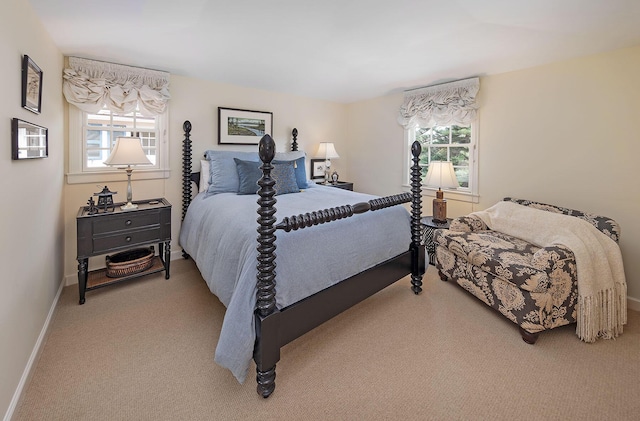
(445, 104)
(90, 85)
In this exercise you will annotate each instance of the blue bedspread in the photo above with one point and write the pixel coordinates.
(219, 233)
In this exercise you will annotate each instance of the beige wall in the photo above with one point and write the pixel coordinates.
(198, 101)
(31, 223)
(564, 133)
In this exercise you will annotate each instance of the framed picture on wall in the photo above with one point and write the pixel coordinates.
(317, 169)
(28, 140)
(31, 85)
(243, 127)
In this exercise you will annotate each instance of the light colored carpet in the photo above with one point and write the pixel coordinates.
(143, 350)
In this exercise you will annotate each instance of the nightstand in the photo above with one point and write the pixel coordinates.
(118, 230)
(345, 185)
(428, 227)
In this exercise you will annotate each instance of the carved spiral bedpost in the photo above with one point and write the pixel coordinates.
(416, 210)
(186, 171)
(265, 283)
(294, 144)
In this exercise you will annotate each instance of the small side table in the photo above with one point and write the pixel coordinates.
(119, 230)
(344, 185)
(428, 227)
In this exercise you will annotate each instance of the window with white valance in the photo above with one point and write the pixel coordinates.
(444, 119)
(111, 100)
(91, 85)
(441, 105)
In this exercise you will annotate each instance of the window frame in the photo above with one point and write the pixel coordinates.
(469, 194)
(78, 171)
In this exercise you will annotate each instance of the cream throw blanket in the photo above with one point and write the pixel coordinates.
(602, 288)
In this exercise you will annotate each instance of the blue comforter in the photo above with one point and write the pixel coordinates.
(219, 233)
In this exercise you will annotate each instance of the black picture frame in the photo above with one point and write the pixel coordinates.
(31, 85)
(243, 127)
(28, 140)
(317, 169)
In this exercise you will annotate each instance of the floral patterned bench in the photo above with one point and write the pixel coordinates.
(534, 287)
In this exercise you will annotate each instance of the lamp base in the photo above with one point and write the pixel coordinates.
(129, 206)
(439, 208)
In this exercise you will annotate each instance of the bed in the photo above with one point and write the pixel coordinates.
(334, 247)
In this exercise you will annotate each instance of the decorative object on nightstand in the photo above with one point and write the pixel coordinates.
(327, 151)
(441, 174)
(334, 177)
(128, 151)
(105, 200)
(120, 231)
(429, 225)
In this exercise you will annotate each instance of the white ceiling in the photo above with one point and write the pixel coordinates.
(338, 50)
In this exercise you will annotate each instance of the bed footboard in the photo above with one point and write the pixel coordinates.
(275, 328)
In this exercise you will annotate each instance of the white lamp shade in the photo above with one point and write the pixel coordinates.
(326, 150)
(441, 174)
(127, 151)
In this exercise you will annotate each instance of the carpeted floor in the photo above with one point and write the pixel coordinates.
(143, 350)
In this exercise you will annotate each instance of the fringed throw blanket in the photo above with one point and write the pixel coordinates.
(602, 288)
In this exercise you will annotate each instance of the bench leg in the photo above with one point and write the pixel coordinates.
(529, 337)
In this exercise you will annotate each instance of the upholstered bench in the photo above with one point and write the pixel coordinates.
(534, 287)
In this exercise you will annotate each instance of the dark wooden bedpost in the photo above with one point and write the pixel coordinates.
(186, 171)
(294, 144)
(416, 210)
(266, 354)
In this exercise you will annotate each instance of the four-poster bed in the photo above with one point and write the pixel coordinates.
(303, 298)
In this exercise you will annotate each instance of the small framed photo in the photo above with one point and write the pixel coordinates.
(243, 127)
(317, 169)
(31, 85)
(28, 140)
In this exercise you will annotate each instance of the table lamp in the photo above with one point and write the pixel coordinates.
(128, 151)
(327, 151)
(441, 174)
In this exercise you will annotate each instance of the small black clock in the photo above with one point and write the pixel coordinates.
(334, 177)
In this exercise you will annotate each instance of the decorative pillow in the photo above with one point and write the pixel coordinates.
(223, 175)
(249, 173)
(300, 170)
(205, 174)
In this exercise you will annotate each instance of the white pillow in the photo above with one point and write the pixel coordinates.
(204, 175)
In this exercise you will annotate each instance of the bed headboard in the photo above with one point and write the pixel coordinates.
(190, 178)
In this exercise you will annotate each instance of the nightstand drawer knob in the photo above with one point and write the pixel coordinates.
(128, 222)
(128, 239)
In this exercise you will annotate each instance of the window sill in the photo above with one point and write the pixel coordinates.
(111, 176)
(460, 196)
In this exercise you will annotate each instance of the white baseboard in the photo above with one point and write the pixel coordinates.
(35, 353)
(633, 304)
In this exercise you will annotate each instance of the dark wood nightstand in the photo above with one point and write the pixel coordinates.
(118, 230)
(345, 185)
(428, 227)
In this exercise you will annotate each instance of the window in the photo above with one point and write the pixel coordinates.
(443, 119)
(93, 135)
(109, 100)
(102, 129)
(446, 143)
(455, 143)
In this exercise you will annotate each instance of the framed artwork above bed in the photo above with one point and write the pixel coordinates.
(243, 127)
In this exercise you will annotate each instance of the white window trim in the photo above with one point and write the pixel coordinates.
(471, 195)
(76, 175)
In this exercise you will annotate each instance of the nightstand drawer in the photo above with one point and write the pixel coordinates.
(126, 221)
(125, 239)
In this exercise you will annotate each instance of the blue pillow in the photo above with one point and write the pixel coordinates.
(249, 173)
(223, 175)
(300, 170)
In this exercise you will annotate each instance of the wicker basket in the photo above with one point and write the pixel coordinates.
(129, 262)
